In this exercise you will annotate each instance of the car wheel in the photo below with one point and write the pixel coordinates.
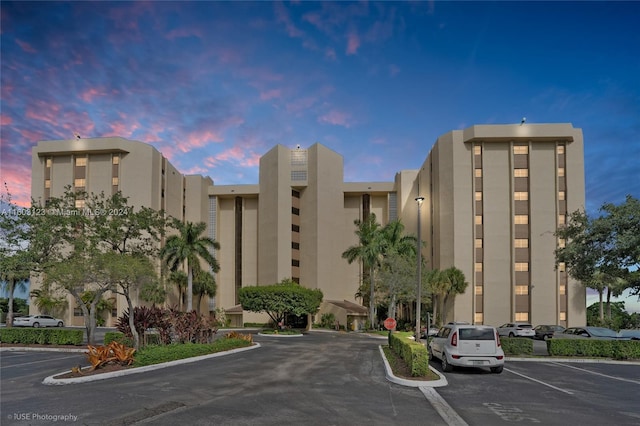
(446, 367)
(497, 370)
(60, 324)
(512, 335)
(546, 337)
(36, 324)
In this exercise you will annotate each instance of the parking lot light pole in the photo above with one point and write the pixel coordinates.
(419, 200)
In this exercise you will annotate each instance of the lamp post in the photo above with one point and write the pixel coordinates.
(419, 200)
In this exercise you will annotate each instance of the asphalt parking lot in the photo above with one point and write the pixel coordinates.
(318, 379)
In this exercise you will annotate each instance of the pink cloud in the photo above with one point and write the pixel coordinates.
(282, 16)
(270, 94)
(337, 118)
(16, 176)
(353, 43)
(237, 154)
(91, 93)
(26, 46)
(330, 54)
(184, 32)
(299, 105)
(199, 138)
(5, 120)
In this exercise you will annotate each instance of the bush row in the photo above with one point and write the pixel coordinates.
(41, 336)
(156, 354)
(414, 354)
(616, 349)
(516, 346)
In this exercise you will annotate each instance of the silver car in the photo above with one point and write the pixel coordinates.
(37, 321)
(516, 329)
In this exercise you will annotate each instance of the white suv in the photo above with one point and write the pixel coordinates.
(465, 345)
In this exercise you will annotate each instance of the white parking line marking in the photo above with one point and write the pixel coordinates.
(598, 374)
(447, 413)
(34, 362)
(541, 382)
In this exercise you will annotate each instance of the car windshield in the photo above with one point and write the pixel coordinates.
(476, 334)
(524, 325)
(602, 332)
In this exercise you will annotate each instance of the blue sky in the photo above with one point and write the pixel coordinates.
(215, 85)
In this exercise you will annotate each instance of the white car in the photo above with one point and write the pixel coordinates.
(517, 329)
(37, 321)
(465, 345)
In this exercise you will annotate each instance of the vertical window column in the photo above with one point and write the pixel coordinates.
(562, 217)
(238, 248)
(115, 173)
(521, 251)
(80, 178)
(478, 315)
(295, 235)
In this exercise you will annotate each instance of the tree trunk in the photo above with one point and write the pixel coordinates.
(601, 307)
(9, 320)
(134, 331)
(392, 307)
(609, 303)
(189, 288)
(371, 301)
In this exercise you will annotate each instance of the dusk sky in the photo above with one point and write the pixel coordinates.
(215, 85)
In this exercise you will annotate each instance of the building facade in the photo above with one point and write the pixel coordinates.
(494, 196)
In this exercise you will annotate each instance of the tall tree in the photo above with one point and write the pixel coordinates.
(369, 251)
(456, 284)
(14, 274)
(179, 279)
(203, 284)
(190, 246)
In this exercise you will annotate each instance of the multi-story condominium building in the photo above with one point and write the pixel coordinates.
(494, 196)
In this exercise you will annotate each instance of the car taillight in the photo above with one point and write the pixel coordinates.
(454, 339)
(499, 357)
(498, 338)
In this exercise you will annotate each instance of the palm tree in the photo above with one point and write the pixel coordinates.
(14, 274)
(369, 251)
(203, 283)
(190, 246)
(457, 284)
(179, 278)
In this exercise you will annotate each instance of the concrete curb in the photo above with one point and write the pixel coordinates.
(52, 381)
(32, 349)
(280, 335)
(442, 381)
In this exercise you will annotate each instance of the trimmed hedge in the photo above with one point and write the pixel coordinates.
(414, 354)
(616, 349)
(116, 336)
(41, 336)
(516, 346)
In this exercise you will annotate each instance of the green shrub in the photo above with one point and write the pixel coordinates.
(413, 353)
(256, 324)
(617, 349)
(516, 346)
(117, 336)
(164, 353)
(328, 320)
(41, 336)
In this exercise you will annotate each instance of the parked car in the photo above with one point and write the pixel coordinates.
(544, 332)
(588, 332)
(516, 329)
(465, 345)
(37, 321)
(433, 331)
(629, 334)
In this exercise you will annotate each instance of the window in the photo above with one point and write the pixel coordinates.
(295, 262)
(295, 194)
(298, 175)
(520, 149)
(563, 316)
(47, 183)
(295, 228)
(560, 149)
(79, 204)
(477, 150)
(522, 290)
(478, 267)
(114, 313)
(478, 317)
(561, 266)
(48, 162)
(295, 246)
(561, 219)
(81, 161)
(115, 159)
(521, 196)
(478, 242)
(560, 171)
(478, 219)
(521, 243)
(522, 266)
(478, 290)
(77, 312)
(520, 173)
(561, 195)
(295, 211)
(478, 195)
(521, 219)
(478, 172)
(79, 183)
(561, 242)
(562, 290)
(114, 181)
(522, 316)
